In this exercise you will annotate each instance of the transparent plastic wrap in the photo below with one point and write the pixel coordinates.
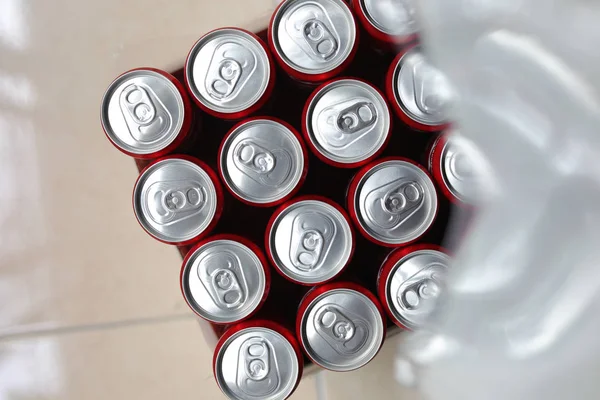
(520, 314)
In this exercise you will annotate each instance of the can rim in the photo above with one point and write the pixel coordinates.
(313, 147)
(389, 264)
(237, 114)
(259, 323)
(378, 34)
(352, 194)
(303, 76)
(276, 215)
(218, 190)
(245, 242)
(312, 295)
(303, 174)
(435, 166)
(184, 130)
(391, 94)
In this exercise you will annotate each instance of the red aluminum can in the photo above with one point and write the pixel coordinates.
(309, 240)
(177, 199)
(340, 326)
(263, 161)
(346, 122)
(389, 23)
(257, 359)
(313, 40)
(419, 93)
(410, 281)
(229, 73)
(146, 113)
(393, 201)
(225, 279)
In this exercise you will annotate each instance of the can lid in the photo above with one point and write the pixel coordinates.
(392, 17)
(257, 363)
(261, 161)
(223, 281)
(310, 241)
(421, 90)
(342, 329)
(348, 121)
(174, 200)
(228, 70)
(142, 112)
(315, 36)
(414, 284)
(396, 202)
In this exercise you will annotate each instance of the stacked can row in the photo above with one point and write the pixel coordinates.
(263, 162)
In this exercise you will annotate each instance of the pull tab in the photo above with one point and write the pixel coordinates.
(223, 278)
(390, 205)
(343, 330)
(146, 117)
(257, 371)
(319, 38)
(344, 123)
(312, 238)
(230, 68)
(168, 202)
(419, 292)
(267, 167)
(431, 88)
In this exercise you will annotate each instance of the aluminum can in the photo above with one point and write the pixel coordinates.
(393, 201)
(340, 326)
(229, 73)
(410, 281)
(309, 240)
(346, 122)
(178, 199)
(257, 359)
(313, 40)
(390, 23)
(146, 113)
(263, 161)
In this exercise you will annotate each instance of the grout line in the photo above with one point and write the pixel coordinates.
(25, 333)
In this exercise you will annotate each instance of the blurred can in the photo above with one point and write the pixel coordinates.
(410, 281)
(418, 92)
(389, 23)
(146, 113)
(457, 166)
(263, 161)
(393, 201)
(257, 359)
(313, 40)
(225, 279)
(309, 240)
(229, 73)
(346, 122)
(178, 199)
(340, 325)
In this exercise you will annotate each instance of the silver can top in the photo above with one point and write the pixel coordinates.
(414, 284)
(310, 241)
(228, 70)
(257, 363)
(142, 112)
(392, 17)
(348, 121)
(342, 329)
(262, 161)
(422, 91)
(174, 200)
(396, 202)
(223, 281)
(313, 36)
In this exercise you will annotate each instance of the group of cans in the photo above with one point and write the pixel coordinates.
(263, 161)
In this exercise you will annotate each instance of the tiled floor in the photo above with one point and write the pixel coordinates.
(90, 306)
